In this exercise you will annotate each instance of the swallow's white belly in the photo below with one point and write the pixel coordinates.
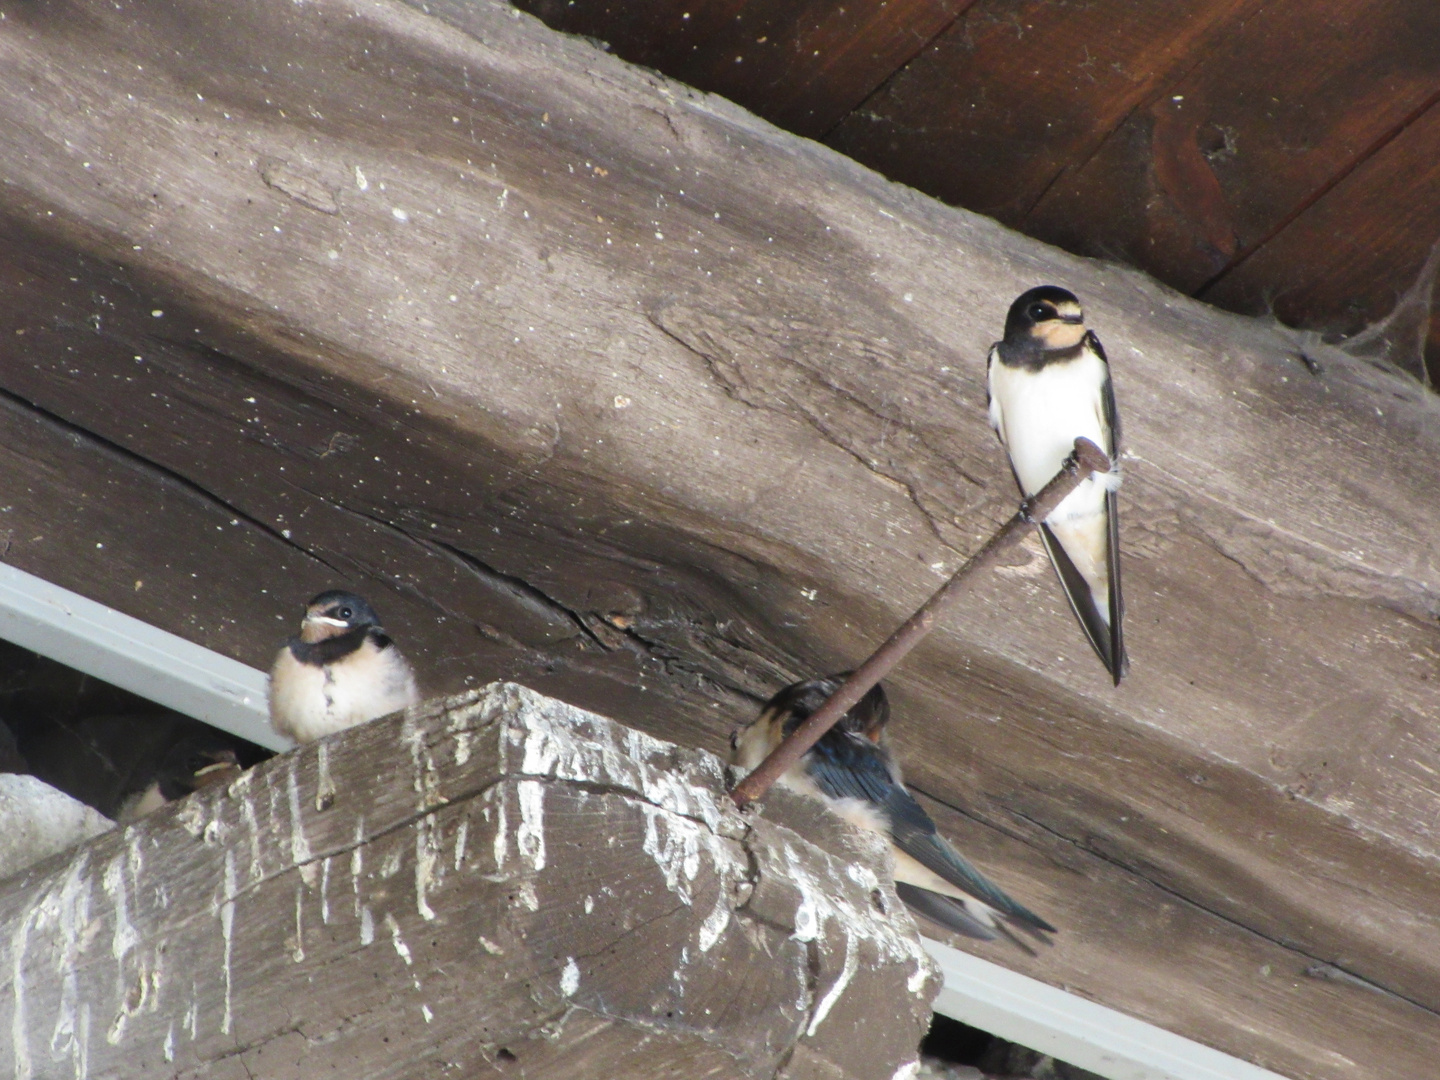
(1038, 416)
(308, 702)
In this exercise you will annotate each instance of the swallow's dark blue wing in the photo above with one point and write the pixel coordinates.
(849, 766)
(1119, 662)
(915, 834)
(846, 766)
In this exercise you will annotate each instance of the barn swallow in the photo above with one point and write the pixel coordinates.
(341, 670)
(1050, 384)
(195, 762)
(853, 771)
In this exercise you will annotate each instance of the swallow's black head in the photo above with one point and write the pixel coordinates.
(335, 612)
(798, 701)
(195, 762)
(1046, 315)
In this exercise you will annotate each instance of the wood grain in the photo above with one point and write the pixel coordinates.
(1342, 263)
(497, 883)
(1273, 114)
(734, 451)
(1250, 982)
(1015, 95)
(800, 64)
(1176, 137)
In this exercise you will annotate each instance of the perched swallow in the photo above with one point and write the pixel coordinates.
(341, 671)
(195, 762)
(1049, 385)
(853, 771)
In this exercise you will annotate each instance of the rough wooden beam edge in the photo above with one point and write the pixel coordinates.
(572, 878)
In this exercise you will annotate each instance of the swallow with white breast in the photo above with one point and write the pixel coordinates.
(340, 671)
(852, 770)
(193, 763)
(1049, 385)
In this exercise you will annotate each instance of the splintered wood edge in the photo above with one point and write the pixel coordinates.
(553, 740)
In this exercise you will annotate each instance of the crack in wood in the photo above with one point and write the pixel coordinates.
(735, 388)
(513, 588)
(160, 473)
(1284, 562)
(594, 628)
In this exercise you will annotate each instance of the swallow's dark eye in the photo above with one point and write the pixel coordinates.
(734, 740)
(345, 613)
(1038, 312)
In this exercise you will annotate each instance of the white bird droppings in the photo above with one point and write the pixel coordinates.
(847, 972)
(530, 834)
(427, 855)
(399, 942)
(227, 932)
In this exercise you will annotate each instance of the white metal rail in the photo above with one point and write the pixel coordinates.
(135, 656)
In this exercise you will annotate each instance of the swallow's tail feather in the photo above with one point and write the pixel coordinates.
(914, 834)
(1103, 630)
(948, 913)
(1121, 660)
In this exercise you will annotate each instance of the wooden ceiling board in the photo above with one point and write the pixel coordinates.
(1343, 262)
(1283, 105)
(801, 64)
(1015, 93)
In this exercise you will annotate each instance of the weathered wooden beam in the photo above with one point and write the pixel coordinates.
(663, 461)
(498, 882)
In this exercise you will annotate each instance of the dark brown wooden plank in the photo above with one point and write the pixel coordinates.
(1015, 93)
(1343, 262)
(448, 892)
(802, 64)
(1271, 114)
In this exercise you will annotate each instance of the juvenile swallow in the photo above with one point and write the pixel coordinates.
(193, 763)
(1049, 385)
(341, 670)
(852, 770)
